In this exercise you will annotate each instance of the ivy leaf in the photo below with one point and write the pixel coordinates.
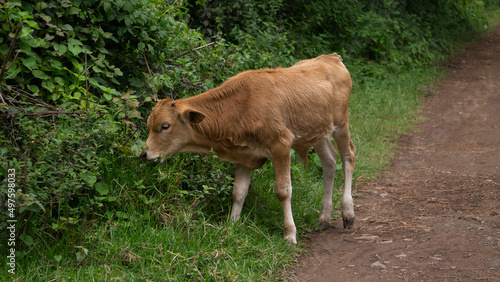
(61, 49)
(134, 114)
(13, 71)
(48, 85)
(75, 49)
(141, 46)
(48, 37)
(25, 32)
(74, 41)
(128, 21)
(89, 177)
(96, 69)
(56, 65)
(73, 10)
(27, 239)
(317, 160)
(34, 89)
(118, 72)
(46, 18)
(107, 96)
(59, 80)
(30, 63)
(33, 24)
(81, 255)
(93, 82)
(40, 74)
(58, 258)
(26, 48)
(107, 34)
(102, 188)
(67, 27)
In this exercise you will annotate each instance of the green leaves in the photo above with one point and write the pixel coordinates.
(102, 48)
(102, 188)
(40, 74)
(52, 59)
(60, 49)
(30, 63)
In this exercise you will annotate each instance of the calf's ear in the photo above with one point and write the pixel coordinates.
(193, 116)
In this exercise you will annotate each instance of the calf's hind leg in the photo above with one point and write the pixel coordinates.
(328, 158)
(242, 177)
(347, 155)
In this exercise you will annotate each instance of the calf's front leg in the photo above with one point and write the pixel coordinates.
(281, 163)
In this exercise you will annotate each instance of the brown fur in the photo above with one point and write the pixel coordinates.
(259, 115)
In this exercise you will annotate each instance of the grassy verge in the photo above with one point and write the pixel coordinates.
(383, 110)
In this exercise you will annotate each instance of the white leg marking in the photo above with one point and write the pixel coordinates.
(328, 158)
(242, 177)
(347, 154)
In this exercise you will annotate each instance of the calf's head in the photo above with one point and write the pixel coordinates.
(169, 128)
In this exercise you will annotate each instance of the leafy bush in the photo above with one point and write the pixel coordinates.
(84, 76)
(395, 33)
(68, 49)
(261, 41)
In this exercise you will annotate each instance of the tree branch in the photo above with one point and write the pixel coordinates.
(155, 97)
(86, 83)
(189, 51)
(3, 101)
(9, 52)
(18, 91)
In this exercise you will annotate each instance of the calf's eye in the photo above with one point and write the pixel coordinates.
(165, 126)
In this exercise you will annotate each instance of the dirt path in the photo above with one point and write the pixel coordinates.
(435, 216)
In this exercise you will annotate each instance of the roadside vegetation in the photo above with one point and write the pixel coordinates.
(79, 78)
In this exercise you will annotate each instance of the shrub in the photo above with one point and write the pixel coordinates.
(85, 75)
(398, 34)
(69, 49)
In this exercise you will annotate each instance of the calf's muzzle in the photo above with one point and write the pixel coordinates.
(144, 156)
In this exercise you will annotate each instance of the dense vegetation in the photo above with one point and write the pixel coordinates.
(78, 79)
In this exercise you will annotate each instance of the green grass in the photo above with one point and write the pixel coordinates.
(380, 111)
(171, 221)
(149, 232)
(188, 249)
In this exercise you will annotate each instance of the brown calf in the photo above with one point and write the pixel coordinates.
(259, 115)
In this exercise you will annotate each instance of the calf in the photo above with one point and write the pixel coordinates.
(259, 115)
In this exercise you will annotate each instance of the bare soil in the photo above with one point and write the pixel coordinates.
(435, 214)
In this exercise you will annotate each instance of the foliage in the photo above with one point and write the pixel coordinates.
(70, 49)
(56, 163)
(395, 33)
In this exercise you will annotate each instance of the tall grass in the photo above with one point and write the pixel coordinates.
(149, 235)
(382, 110)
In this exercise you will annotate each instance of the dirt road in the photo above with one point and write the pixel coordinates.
(435, 214)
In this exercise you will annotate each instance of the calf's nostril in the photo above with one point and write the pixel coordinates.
(144, 156)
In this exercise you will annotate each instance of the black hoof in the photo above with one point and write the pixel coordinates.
(323, 225)
(348, 223)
